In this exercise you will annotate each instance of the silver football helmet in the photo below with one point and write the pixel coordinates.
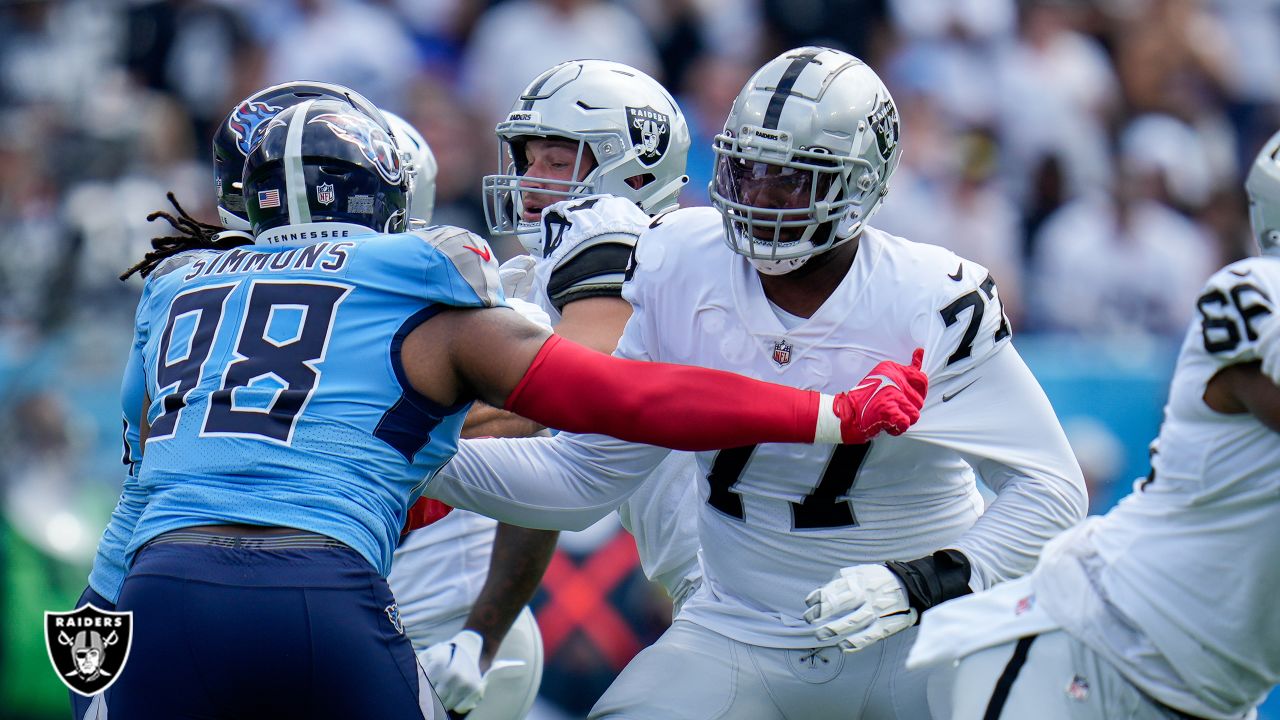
(419, 163)
(624, 122)
(1263, 187)
(805, 157)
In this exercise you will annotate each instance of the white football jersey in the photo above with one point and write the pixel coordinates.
(586, 246)
(1176, 585)
(777, 521)
(437, 573)
(586, 249)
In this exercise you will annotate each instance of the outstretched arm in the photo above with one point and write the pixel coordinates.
(500, 358)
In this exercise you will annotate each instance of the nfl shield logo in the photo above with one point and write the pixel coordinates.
(324, 194)
(781, 352)
(88, 647)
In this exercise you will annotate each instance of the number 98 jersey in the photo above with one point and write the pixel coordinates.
(776, 521)
(276, 393)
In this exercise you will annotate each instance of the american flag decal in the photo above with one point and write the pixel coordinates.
(268, 198)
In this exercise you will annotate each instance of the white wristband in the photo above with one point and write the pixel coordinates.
(828, 429)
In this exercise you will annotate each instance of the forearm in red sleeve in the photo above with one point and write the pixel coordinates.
(569, 387)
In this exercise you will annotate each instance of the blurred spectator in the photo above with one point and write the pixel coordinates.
(1057, 90)
(859, 27)
(714, 82)
(1128, 263)
(194, 50)
(955, 203)
(360, 45)
(518, 39)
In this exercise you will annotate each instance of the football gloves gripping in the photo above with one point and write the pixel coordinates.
(865, 604)
(888, 400)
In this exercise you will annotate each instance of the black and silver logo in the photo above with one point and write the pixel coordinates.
(650, 133)
(88, 647)
(884, 122)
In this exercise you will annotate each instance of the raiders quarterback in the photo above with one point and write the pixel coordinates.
(1163, 607)
(582, 132)
(785, 280)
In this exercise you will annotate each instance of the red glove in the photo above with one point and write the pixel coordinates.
(888, 399)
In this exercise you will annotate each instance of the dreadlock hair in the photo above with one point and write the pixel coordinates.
(194, 235)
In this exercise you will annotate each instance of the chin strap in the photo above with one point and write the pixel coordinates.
(933, 579)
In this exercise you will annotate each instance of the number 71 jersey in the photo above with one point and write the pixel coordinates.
(277, 396)
(777, 520)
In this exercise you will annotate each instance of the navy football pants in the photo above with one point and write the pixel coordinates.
(264, 628)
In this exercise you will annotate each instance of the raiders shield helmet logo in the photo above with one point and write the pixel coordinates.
(884, 122)
(650, 133)
(88, 647)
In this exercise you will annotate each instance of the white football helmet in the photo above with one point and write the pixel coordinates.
(630, 125)
(1263, 187)
(805, 157)
(420, 163)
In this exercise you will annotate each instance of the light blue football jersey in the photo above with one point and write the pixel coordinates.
(109, 565)
(276, 392)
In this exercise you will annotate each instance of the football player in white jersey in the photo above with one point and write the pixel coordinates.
(1165, 606)
(784, 280)
(586, 144)
(569, 116)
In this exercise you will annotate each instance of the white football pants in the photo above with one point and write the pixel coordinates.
(1052, 676)
(692, 673)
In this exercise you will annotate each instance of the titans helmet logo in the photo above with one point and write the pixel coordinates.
(374, 142)
(246, 120)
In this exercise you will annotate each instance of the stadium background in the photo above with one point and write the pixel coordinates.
(1090, 153)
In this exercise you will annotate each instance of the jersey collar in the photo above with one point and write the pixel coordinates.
(310, 233)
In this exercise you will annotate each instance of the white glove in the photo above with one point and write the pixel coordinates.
(530, 312)
(453, 667)
(1269, 349)
(863, 605)
(517, 276)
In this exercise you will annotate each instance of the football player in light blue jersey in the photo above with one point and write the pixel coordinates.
(231, 143)
(300, 391)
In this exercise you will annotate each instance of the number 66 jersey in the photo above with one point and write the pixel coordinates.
(1176, 585)
(776, 521)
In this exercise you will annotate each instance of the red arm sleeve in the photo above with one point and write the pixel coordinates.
(572, 388)
(424, 512)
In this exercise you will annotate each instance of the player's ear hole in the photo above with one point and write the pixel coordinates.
(638, 181)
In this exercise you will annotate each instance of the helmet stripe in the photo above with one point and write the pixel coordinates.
(532, 93)
(295, 180)
(774, 112)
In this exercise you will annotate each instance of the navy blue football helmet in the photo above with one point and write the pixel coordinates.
(325, 161)
(243, 127)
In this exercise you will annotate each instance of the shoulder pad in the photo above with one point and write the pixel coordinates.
(470, 255)
(570, 223)
(969, 319)
(1234, 306)
(180, 260)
